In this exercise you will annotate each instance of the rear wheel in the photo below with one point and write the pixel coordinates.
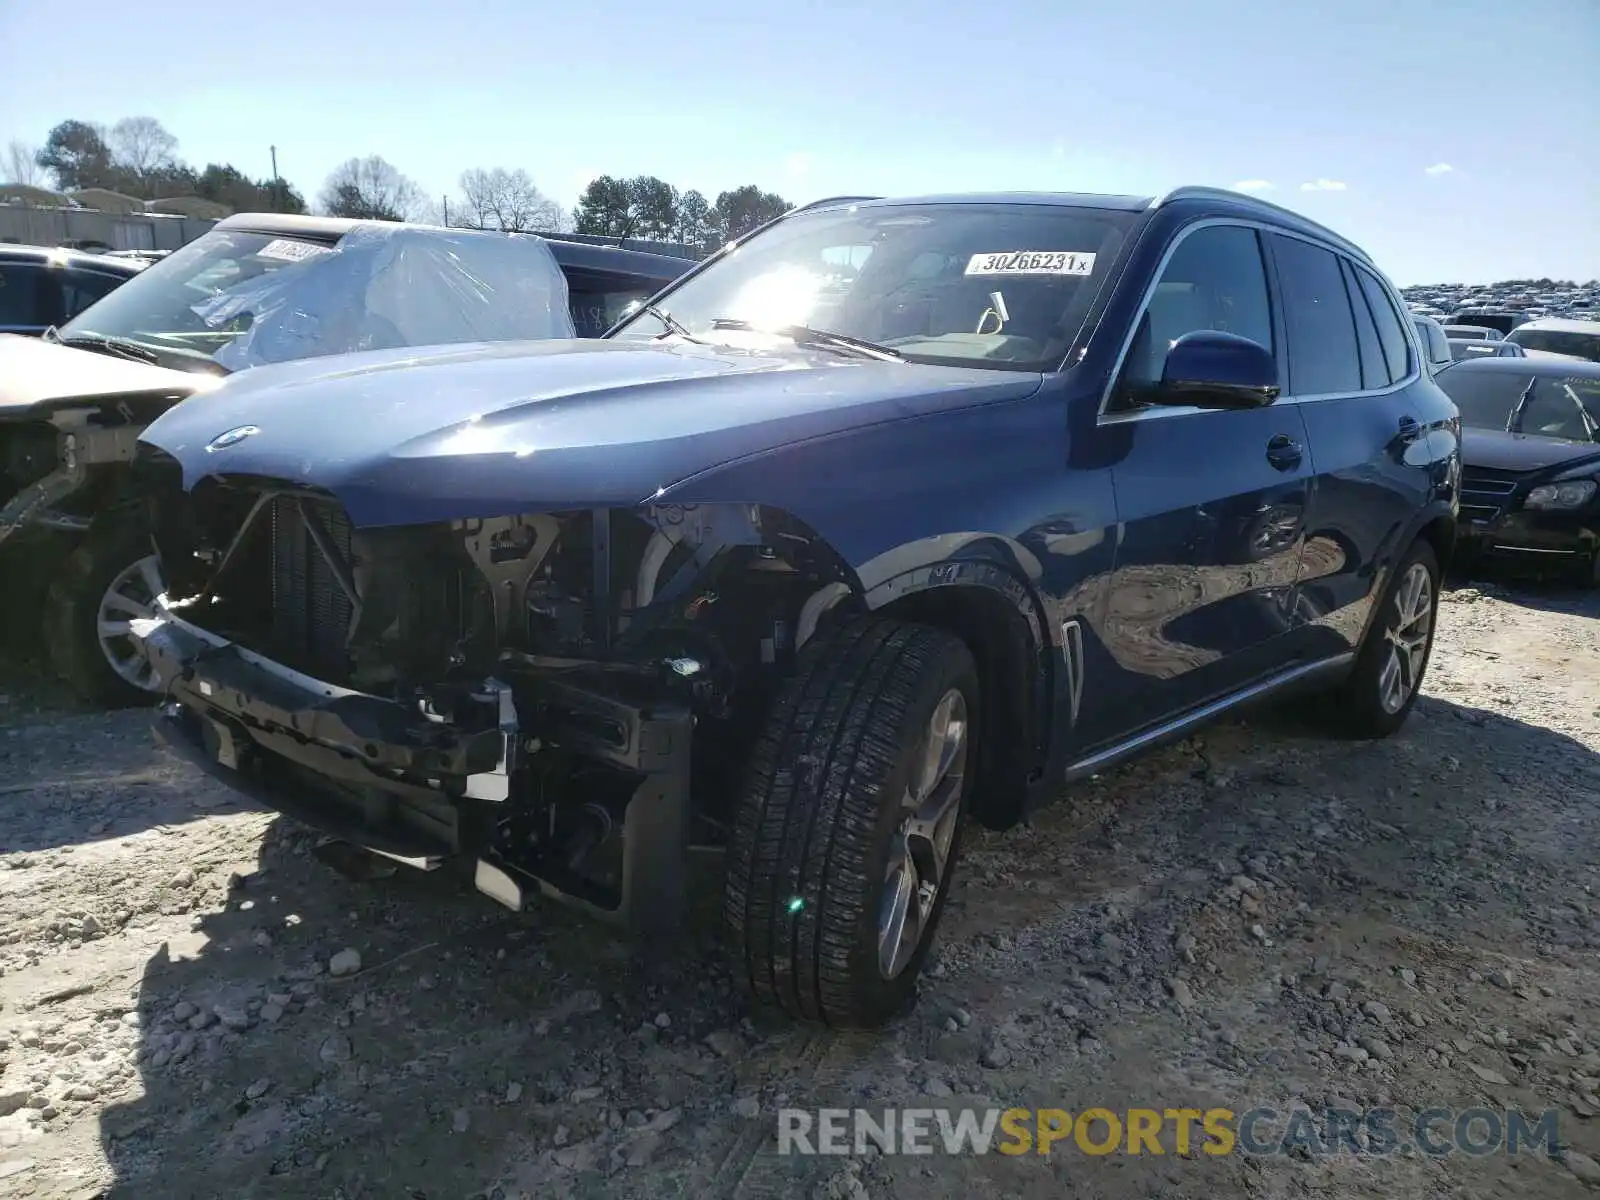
(104, 584)
(1381, 690)
(847, 828)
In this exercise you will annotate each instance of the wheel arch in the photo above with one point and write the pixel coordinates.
(998, 619)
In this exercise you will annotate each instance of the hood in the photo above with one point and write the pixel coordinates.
(409, 437)
(1501, 451)
(37, 377)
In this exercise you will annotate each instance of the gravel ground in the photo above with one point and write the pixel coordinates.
(192, 1004)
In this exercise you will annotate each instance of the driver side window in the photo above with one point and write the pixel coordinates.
(1215, 279)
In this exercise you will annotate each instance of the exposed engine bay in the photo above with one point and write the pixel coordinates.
(523, 689)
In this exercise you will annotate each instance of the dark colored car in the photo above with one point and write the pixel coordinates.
(40, 287)
(1530, 462)
(1501, 320)
(257, 290)
(1462, 349)
(903, 511)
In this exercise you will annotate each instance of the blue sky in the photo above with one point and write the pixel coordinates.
(1454, 141)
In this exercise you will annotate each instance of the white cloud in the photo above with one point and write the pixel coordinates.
(797, 165)
(582, 178)
(1323, 185)
(1254, 185)
(1440, 168)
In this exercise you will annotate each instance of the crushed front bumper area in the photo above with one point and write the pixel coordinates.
(410, 786)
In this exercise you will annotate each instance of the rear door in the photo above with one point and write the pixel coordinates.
(1369, 408)
(1210, 503)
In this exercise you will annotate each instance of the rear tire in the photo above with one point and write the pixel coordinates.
(112, 559)
(849, 815)
(1380, 692)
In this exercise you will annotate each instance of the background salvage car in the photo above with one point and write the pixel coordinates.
(906, 510)
(1531, 465)
(256, 290)
(41, 287)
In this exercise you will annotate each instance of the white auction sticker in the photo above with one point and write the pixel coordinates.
(1031, 262)
(289, 250)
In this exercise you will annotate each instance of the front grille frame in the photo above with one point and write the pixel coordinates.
(1487, 493)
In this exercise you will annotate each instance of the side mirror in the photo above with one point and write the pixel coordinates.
(1212, 369)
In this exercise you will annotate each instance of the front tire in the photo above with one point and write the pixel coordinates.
(111, 578)
(1383, 687)
(847, 828)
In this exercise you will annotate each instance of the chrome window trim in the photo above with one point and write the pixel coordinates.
(1155, 412)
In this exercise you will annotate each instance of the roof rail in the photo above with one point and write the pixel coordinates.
(834, 200)
(1199, 192)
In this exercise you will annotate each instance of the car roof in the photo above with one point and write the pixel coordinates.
(1226, 203)
(568, 254)
(1561, 325)
(70, 258)
(1531, 366)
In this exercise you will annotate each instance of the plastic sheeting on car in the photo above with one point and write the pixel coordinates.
(388, 287)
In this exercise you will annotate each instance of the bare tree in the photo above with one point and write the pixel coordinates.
(21, 165)
(508, 201)
(373, 189)
(142, 145)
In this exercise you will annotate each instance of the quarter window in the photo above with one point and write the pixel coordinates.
(1374, 369)
(1323, 353)
(1214, 280)
(1396, 347)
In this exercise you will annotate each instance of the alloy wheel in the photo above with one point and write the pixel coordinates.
(1408, 634)
(919, 852)
(132, 594)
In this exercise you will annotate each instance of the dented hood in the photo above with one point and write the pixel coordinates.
(407, 437)
(37, 377)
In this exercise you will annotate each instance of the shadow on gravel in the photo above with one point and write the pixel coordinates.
(1543, 593)
(84, 778)
(455, 1044)
(471, 1045)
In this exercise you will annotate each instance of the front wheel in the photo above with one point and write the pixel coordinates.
(1375, 701)
(105, 583)
(847, 828)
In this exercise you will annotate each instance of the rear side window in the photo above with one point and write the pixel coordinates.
(1323, 353)
(1396, 346)
(27, 296)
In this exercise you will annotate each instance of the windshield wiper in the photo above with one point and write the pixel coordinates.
(108, 345)
(671, 322)
(804, 335)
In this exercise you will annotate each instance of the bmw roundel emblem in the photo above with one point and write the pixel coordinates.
(232, 438)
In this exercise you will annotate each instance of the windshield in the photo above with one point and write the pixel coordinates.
(233, 299)
(1559, 341)
(1555, 406)
(992, 285)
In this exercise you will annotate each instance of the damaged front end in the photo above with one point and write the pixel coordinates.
(540, 694)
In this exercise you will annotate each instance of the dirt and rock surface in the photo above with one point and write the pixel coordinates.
(193, 1005)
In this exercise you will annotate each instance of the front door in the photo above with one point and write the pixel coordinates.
(1210, 504)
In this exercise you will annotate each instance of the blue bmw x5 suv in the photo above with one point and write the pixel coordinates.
(894, 513)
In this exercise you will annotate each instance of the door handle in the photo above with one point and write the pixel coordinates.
(1284, 453)
(1410, 430)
